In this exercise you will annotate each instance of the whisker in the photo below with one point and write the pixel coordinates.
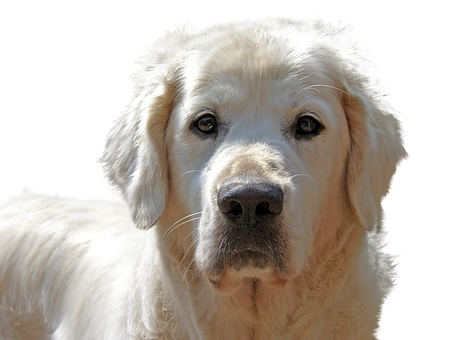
(176, 224)
(328, 86)
(187, 252)
(304, 175)
(252, 282)
(185, 255)
(190, 234)
(188, 172)
(291, 177)
(187, 269)
(313, 258)
(181, 224)
(312, 87)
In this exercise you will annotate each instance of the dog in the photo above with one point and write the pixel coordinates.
(253, 158)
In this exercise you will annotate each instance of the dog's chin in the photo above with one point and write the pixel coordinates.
(243, 268)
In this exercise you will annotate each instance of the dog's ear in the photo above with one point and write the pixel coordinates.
(134, 158)
(376, 149)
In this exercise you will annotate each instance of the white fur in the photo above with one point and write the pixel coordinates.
(73, 270)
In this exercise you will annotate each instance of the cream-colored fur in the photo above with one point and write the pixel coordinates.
(73, 270)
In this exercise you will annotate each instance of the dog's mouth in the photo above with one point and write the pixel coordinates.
(243, 262)
(245, 265)
(248, 258)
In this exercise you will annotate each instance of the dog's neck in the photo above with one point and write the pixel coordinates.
(325, 291)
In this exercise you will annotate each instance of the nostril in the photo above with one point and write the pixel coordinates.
(235, 209)
(262, 209)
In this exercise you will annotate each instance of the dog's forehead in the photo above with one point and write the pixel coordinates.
(250, 71)
(279, 92)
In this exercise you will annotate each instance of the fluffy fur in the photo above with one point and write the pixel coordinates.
(309, 267)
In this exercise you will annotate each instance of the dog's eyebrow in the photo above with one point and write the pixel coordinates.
(316, 86)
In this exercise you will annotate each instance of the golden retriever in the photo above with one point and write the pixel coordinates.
(253, 158)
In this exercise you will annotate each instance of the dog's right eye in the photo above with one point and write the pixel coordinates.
(206, 124)
(307, 126)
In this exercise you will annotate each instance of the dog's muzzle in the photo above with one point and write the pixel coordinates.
(248, 227)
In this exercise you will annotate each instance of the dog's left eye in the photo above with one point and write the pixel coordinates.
(206, 124)
(307, 126)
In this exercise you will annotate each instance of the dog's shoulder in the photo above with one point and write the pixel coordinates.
(376, 269)
(31, 211)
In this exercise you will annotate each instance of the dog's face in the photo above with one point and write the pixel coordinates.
(257, 150)
(267, 148)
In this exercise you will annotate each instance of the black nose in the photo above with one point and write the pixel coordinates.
(245, 203)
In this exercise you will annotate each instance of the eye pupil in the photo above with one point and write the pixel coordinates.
(206, 124)
(307, 126)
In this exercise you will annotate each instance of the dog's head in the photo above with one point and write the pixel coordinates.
(255, 143)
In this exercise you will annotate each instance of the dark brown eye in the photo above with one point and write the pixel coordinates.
(206, 124)
(307, 126)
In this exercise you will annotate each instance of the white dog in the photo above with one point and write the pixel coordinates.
(253, 158)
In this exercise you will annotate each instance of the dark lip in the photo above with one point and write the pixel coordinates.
(245, 258)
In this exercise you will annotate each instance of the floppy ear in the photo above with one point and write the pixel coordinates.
(134, 156)
(376, 149)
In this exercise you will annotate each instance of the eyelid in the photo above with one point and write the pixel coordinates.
(199, 114)
(205, 111)
(310, 114)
